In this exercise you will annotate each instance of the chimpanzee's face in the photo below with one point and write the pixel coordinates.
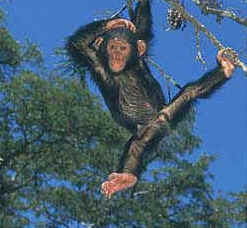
(119, 52)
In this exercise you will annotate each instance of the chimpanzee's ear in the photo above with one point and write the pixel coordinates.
(98, 42)
(142, 47)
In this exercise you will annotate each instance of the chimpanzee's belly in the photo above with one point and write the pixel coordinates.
(130, 103)
(134, 106)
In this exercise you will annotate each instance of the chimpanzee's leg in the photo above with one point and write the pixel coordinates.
(141, 145)
(134, 151)
(125, 158)
(131, 161)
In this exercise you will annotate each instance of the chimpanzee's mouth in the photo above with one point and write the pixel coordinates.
(116, 65)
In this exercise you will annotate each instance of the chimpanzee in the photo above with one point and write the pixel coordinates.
(113, 52)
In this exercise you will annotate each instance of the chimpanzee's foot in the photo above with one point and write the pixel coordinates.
(118, 182)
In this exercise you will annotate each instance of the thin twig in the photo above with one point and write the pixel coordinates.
(124, 7)
(198, 47)
(162, 72)
(221, 13)
(140, 193)
(119, 11)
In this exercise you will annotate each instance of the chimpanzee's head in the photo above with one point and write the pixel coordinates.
(119, 48)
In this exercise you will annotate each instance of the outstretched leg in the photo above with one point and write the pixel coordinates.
(130, 164)
(122, 179)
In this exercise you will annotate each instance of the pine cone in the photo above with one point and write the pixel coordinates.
(174, 18)
(230, 54)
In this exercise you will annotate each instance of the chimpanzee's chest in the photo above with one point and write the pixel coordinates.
(130, 104)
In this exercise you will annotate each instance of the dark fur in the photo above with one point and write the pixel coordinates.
(126, 93)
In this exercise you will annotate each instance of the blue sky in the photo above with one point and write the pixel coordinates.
(221, 120)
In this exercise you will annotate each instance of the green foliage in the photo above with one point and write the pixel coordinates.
(2, 16)
(15, 56)
(58, 144)
(51, 132)
(9, 49)
(31, 53)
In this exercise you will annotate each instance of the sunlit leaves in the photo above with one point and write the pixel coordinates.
(9, 49)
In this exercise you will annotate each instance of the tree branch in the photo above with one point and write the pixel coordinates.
(198, 47)
(199, 26)
(221, 13)
(163, 73)
(119, 11)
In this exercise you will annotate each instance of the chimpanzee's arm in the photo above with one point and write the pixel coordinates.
(80, 45)
(143, 20)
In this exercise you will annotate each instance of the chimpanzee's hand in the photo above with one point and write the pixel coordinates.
(227, 58)
(118, 23)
